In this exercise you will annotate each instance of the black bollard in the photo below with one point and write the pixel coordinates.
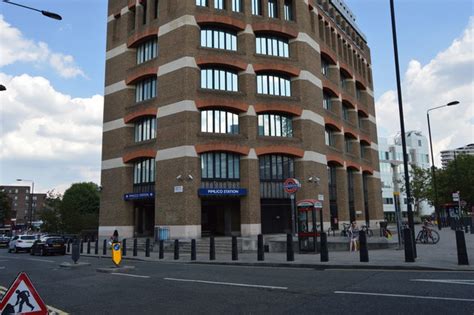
(364, 251)
(409, 253)
(324, 247)
(82, 247)
(88, 246)
(461, 246)
(472, 226)
(68, 249)
(96, 248)
(147, 248)
(162, 249)
(235, 254)
(124, 247)
(193, 249)
(290, 254)
(466, 229)
(176, 249)
(260, 253)
(104, 249)
(212, 248)
(75, 254)
(135, 247)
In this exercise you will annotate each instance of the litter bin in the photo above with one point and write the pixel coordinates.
(162, 233)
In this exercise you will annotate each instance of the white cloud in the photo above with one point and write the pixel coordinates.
(447, 77)
(15, 48)
(47, 132)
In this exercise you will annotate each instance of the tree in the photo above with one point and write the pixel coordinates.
(457, 176)
(79, 208)
(5, 207)
(420, 187)
(50, 215)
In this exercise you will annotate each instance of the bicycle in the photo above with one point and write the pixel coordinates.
(386, 233)
(367, 230)
(427, 235)
(345, 229)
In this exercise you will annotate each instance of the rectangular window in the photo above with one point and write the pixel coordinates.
(257, 7)
(201, 3)
(272, 46)
(220, 165)
(288, 10)
(236, 5)
(272, 9)
(219, 4)
(275, 125)
(327, 102)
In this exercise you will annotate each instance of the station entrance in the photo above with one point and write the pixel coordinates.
(220, 217)
(276, 215)
(144, 217)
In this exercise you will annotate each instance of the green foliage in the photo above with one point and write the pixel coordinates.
(457, 176)
(79, 208)
(50, 215)
(420, 185)
(5, 207)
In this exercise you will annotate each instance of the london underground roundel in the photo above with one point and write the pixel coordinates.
(291, 185)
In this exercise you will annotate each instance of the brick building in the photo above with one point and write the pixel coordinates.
(20, 204)
(211, 104)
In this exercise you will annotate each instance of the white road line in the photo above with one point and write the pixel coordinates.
(405, 296)
(449, 281)
(395, 270)
(229, 284)
(129, 275)
(2, 267)
(32, 259)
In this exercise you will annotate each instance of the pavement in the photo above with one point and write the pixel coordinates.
(440, 256)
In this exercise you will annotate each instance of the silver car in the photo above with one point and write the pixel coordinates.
(21, 243)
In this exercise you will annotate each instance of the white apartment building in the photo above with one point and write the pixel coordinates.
(449, 155)
(391, 158)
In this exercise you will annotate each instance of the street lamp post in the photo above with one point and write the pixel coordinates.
(433, 171)
(51, 15)
(31, 198)
(411, 223)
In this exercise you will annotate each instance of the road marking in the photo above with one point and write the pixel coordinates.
(129, 275)
(32, 259)
(450, 281)
(405, 296)
(2, 267)
(396, 270)
(229, 284)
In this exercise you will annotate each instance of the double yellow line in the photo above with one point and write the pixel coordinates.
(52, 310)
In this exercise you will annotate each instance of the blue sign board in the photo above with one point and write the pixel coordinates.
(222, 192)
(138, 196)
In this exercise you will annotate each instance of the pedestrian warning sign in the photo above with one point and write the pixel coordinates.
(22, 298)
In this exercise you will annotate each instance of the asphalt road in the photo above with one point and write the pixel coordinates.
(177, 288)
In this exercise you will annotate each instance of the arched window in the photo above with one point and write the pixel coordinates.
(327, 102)
(219, 121)
(275, 125)
(218, 38)
(147, 51)
(144, 171)
(272, 84)
(329, 137)
(145, 129)
(145, 89)
(272, 46)
(219, 79)
(220, 166)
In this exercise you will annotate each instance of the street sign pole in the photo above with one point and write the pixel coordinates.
(293, 215)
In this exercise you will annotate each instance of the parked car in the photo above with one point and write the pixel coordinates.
(21, 243)
(4, 241)
(48, 245)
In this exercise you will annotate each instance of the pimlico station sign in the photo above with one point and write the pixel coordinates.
(222, 192)
(138, 196)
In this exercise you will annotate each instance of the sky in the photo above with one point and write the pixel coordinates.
(51, 113)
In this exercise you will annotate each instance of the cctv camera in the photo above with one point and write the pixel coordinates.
(178, 177)
(190, 177)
